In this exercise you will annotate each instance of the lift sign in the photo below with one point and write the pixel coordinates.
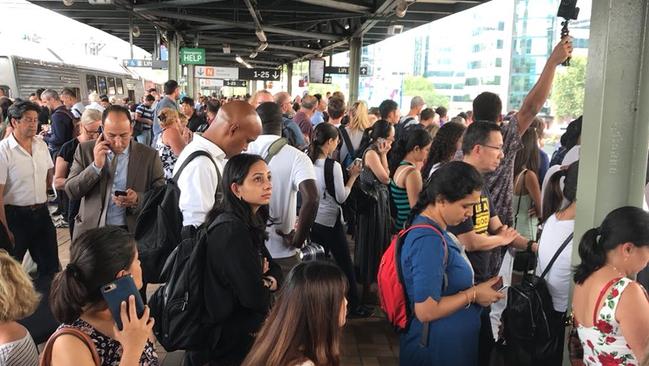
(192, 56)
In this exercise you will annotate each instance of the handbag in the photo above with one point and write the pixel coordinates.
(46, 356)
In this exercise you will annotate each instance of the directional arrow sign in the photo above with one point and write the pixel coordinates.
(363, 71)
(259, 74)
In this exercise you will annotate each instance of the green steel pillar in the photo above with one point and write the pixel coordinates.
(615, 133)
(192, 82)
(174, 60)
(355, 45)
(289, 78)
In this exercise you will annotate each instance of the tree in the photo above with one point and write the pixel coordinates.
(568, 89)
(420, 86)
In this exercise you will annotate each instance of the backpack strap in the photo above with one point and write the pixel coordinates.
(46, 356)
(556, 255)
(518, 206)
(275, 148)
(423, 341)
(330, 187)
(347, 141)
(218, 194)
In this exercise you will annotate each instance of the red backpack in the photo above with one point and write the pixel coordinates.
(392, 292)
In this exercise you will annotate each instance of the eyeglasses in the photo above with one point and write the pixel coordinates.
(499, 148)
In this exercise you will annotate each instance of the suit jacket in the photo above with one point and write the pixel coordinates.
(144, 173)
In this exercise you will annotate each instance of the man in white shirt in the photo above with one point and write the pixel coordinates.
(292, 171)
(235, 126)
(26, 170)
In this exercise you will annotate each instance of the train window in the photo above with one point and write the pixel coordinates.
(111, 86)
(103, 87)
(120, 86)
(91, 83)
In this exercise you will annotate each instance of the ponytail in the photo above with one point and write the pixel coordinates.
(592, 254)
(623, 225)
(95, 258)
(322, 133)
(553, 195)
(67, 296)
(409, 139)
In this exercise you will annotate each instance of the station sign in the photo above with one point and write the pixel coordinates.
(259, 74)
(192, 56)
(343, 70)
(236, 83)
(205, 83)
(160, 64)
(327, 79)
(210, 72)
(138, 63)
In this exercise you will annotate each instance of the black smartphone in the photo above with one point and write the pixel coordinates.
(120, 193)
(119, 290)
(498, 285)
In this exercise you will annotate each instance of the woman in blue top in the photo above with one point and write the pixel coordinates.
(442, 291)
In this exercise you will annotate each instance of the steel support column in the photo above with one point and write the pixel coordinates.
(355, 45)
(174, 60)
(192, 90)
(289, 78)
(615, 136)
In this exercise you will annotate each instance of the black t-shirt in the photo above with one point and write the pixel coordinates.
(195, 121)
(479, 222)
(67, 152)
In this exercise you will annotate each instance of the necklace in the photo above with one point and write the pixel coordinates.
(616, 270)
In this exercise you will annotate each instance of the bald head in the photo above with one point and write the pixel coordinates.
(235, 126)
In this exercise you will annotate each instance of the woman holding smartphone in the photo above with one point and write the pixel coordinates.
(97, 258)
(328, 227)
(437, 275)
(239, 271)
(374, 223)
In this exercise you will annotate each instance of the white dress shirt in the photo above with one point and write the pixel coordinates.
(199, 180)
(23, 175)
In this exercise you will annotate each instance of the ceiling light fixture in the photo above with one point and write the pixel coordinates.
(402, 8)
(261, 36)
(253, 54)
(239, 59)
(226, 48)
(262, 46)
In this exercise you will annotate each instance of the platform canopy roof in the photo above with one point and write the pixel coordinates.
(293, 29)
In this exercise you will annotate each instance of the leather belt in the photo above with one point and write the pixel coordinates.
(30, 207)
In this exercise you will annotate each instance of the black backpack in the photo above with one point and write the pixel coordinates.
(178, 305)
(531, 328)
(158, 226)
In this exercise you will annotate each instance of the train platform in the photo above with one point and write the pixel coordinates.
(366, 342)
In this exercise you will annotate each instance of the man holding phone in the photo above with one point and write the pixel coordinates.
(110, 175)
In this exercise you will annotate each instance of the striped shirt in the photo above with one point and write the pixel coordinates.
(399, 197)
(22, 352)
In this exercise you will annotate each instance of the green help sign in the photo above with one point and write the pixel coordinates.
(192, 56)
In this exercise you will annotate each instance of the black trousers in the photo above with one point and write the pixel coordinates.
(333, 240)
(33, 230)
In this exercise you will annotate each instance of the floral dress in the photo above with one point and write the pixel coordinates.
(167, 157)
(604, 343)
(109, 350)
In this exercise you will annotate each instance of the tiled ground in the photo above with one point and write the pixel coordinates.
(366, 342)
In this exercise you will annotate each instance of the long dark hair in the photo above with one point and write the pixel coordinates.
(623, 225)
(321, 134)
(96, 256)
(452, 182)
(444, 145)
(236, 171)
(409, 139)
(380, 129)
(528, 156)
(304, 323)
(554, 195)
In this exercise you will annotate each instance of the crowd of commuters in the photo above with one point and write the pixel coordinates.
(267, 175)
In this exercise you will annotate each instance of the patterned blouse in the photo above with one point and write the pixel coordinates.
(604, 343)
(109, 350)
(167, 156)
